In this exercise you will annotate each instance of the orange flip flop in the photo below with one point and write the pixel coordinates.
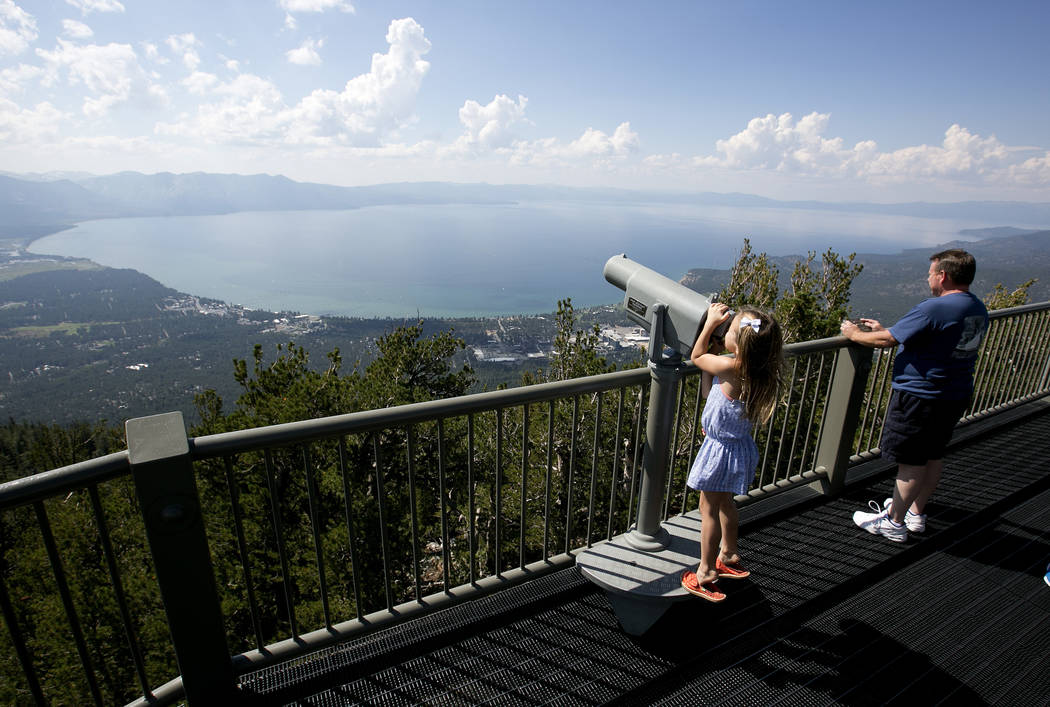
(732, 571)
(705, 591)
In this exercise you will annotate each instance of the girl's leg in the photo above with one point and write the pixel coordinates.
(730, 522)
(710, 535)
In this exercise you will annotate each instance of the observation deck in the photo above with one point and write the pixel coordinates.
(425, 554)
(830, 614)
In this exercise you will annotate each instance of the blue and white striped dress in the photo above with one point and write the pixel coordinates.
(729, 456)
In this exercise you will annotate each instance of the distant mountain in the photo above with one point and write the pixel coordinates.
(47, 176)
(25, 203)
(36, 201)
(998, 232)
(167, 194)
(890, 284)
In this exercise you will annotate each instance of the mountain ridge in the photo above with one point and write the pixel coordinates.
(75, 197)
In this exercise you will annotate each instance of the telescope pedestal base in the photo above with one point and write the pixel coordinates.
(656, 542)
(641, 585)
(636, 616)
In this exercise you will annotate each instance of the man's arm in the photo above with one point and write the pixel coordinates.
(877, 336)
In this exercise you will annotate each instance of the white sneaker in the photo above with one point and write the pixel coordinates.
(916, 522)
(879, 523)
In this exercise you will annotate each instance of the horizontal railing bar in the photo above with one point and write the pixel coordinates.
(817, 345)
(170, 693)
(38, 487)
(1002, 407)
(1020, 309)
(401, 415)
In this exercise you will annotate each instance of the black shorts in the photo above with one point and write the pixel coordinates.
(917, 430)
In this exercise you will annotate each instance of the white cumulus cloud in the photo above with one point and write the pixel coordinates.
(1034, 171)
(491, 130)
(783, 145)
(86, 6)
(306, 54)
(186, 45)
(674, 160)
(248, 110)
(371, 105)
(17, 28)
(962, 154)
(593, 147)
(316, 5)
(200, 82)
(110, 73)
(369, 109)
(593, 142)
(21, 125)
(491, 126)
(13, 79)
(76, 30)
(153, 53)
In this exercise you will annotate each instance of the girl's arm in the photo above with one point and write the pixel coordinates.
(707, 362)
(706, 379)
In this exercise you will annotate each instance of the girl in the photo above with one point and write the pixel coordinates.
(743, 392)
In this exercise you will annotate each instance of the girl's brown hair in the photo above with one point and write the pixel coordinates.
(760, 359)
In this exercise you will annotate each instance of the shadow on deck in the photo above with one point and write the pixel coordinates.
(831, 614)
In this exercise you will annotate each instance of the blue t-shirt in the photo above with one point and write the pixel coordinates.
(939, 339)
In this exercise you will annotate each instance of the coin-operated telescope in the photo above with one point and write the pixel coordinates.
(641, 570)
(672, 313)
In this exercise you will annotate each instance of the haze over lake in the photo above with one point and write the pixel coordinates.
(463, 260)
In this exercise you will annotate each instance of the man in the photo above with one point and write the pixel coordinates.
(932, 386)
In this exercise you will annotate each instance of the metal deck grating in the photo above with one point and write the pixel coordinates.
(831, 615)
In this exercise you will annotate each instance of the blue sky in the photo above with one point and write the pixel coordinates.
(888, 101)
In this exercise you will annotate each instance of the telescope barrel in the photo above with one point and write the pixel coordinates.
(619, 269)
(644, 288)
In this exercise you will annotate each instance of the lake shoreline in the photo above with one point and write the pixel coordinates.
(454, 261)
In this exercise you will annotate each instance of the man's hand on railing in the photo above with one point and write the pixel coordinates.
(868, 332)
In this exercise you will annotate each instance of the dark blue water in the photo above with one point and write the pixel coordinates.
(462, 260)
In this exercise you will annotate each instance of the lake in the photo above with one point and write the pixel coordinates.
(463, 260)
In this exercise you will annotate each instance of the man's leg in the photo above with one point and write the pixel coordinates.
(929, 482)
(915, 484)
(911, 480)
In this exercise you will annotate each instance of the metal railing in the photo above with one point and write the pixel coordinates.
(272, 542)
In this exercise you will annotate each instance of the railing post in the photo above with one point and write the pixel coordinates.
(159, 455)
(842, 414)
